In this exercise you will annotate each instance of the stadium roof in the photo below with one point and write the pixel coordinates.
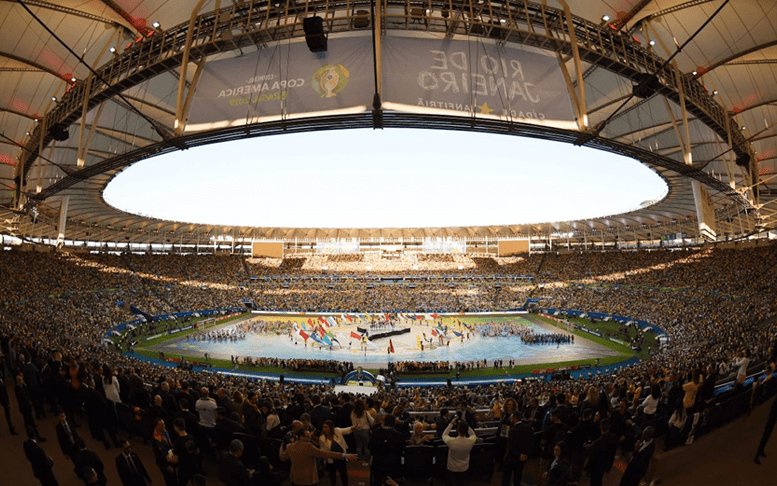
(688, 87)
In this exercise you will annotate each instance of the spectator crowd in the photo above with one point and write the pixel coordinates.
(714, 304)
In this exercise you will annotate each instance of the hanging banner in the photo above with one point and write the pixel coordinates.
(284, 78)
(474, 76)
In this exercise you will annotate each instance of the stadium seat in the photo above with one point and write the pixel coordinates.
(418, 462)
(481, 461)
(441, 462)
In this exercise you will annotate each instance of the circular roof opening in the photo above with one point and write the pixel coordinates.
(384, 179)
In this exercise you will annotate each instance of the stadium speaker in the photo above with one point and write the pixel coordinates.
(362, 19)
(743, 160)
(449, 383)
(646, 85)
(59, 133)
(314, 33)
(282, 379)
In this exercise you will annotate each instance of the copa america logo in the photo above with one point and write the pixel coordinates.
(330, 80)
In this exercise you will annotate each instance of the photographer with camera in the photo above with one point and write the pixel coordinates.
(458, 448)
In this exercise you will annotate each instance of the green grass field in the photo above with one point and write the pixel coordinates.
(605, 328)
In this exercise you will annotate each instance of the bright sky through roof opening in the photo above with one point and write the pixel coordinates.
(384, 179)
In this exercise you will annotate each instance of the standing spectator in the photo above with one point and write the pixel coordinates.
(186, 452)
(34, 385)
(441, 422)
(232, 471)
(361, 422)
(331, 439)
(25, 407)
(319, 413)
(86, 460)
(640, 461)
(67, 436)
(602, 454)
(458, 449)
(41, 462)
(558, 474)
(97, 415)
(129, 467)
(386, 446)
(520, 440)
(303, 455)
(741, 363)
(768, 428)
(163, 453)
(5, 402)
(691, 389)
(206, 409)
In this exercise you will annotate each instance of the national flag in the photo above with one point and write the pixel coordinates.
(304, 335)
(434, 333)
(332, 321)
(321, 319)
(418, 341)
(391, 346)
(434, 316)
(315, 338)
(348, 318)
(310, 322)
(321, 331)
(326, 340)
(388, 318)
(458, 334)
(356, 336)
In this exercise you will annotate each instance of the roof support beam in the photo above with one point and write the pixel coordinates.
(179, 105)
(76, 13)
(33, 64)
(143, 29)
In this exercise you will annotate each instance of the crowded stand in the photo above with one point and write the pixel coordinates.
(714, 304)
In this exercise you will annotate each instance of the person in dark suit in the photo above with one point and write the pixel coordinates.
(768, 428)
(386, 446)
(520, 440)
(41, 462)
(129, 467)
(602, 454)
(232, 471)
(5, 403)
(85, 461)
(640, 461)
(319, 413)
(441, 421)
(559, 472)
(25, 406)
(67, 436)
(97, 414)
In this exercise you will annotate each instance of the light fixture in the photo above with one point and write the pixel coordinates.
(743, 127)
(73, 79)
(606, 18)
(714, 92)
(652, 43)
(53, 98)
(694, 73)
(156, 25)
(112, 49)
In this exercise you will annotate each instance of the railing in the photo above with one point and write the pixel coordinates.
(256, 23)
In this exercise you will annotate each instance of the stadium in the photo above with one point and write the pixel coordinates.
(659, 319)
